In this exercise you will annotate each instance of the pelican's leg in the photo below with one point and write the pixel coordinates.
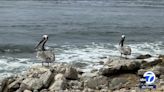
(126, 57)
(42, 63)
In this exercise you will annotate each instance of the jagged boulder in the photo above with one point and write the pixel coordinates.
(117, 66)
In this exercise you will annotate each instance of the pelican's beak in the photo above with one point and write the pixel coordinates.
(39, 43)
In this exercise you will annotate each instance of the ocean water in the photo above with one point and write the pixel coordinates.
(81, 32)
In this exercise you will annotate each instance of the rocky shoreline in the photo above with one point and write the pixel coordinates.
(116, 75)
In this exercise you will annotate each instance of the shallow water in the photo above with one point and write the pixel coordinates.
(79, 31)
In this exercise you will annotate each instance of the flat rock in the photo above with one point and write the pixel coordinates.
(123, 81)
(96, 82)
(33, 83)
(117, 66)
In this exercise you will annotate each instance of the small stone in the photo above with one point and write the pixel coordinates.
(59, 76)
(88, 90)
(44, 90)
(101, 62)
(27, 91)
(104, 90)
(161, 82)
(74, 84)
(162, 77)
(141, 72)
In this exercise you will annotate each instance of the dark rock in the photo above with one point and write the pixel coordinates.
(101, 62)
(143, 56)
(14, 86)
(3, 84)
(71, 73)
(79, 64)
(80, 71)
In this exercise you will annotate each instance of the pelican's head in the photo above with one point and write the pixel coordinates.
(45, 36)
(42, 42)
(122, 40)
(123, 36)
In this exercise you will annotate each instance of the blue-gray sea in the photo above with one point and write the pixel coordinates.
(80, 31)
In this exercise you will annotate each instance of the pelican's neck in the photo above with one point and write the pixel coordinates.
(122, 42)
(43, 45)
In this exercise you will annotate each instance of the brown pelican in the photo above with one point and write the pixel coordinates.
(43, 54)
(124, 50)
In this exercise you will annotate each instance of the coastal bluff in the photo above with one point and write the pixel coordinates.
(116, 75)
